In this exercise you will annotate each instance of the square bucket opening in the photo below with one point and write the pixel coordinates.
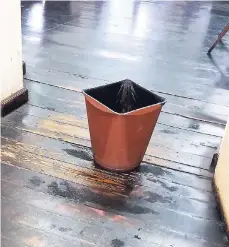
(124, 96)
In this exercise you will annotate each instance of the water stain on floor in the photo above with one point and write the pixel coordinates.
(117, 243)
(36, 181)
(194, 126)
(65, 190)
(163, 184)
(154, 197)
(153, 170)
(81, 154)
(168, 132)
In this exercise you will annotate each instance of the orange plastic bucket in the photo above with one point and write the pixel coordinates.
(119, 140)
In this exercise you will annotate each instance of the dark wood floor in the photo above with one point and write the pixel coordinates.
(52, 195)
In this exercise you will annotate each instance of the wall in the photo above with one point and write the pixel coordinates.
(222, 175)
(11, 74)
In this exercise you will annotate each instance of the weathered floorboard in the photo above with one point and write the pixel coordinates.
(154, 150)
(71, 153)
(71, 230)
(78, 135)
(51, 223)
(115, 189)
(166, 118)
(32, 237)
(6, 242)
(162, 218)
(189, 108)
(77, 128)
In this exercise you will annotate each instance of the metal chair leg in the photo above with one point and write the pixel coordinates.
(225, 30)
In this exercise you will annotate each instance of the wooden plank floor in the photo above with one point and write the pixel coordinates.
(52, 194)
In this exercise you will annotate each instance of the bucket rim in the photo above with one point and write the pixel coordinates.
(129, 112)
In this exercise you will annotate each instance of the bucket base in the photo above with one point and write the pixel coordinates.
(116, 170)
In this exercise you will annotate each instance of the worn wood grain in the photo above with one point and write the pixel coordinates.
(190, 86)
(165, 119)
(72, 153)
(80, 136)
(118, 185)
(148, 236)
(204, 142)
(51, 223)
(190, 108)
(125, 185)
(75, 231)
(155, 149)
(171, 154)
(146, 197)
(32, 237)
(6, 242)
(200, 228)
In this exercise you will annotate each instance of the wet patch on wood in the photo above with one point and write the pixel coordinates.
(82, 154)
(117, 243)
